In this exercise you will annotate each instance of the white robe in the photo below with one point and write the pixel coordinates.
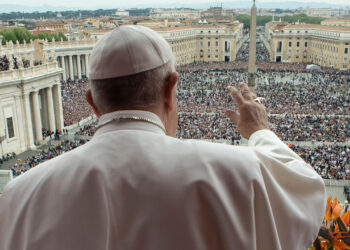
(133, 187)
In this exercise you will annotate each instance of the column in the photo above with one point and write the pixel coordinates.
(87, 64)
(43, 109)
(29, 123)
(50, 109)
(37, 118)
(58, 106)
(83, 65)
(71, 67)
(252, 50)
(63, 65)
(79, 66)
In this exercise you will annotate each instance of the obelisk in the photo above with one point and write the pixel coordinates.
(252, 49)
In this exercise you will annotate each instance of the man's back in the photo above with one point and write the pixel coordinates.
(132, 187)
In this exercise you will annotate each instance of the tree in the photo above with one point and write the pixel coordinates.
(8, 35)
(262, 20)
(24, 35)
(245, 19)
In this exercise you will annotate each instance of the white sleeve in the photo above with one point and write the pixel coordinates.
(296, 193)
(268, 142)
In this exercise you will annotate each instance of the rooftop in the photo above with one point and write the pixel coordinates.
(316, 26)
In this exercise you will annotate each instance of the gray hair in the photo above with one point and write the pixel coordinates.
(140, 90)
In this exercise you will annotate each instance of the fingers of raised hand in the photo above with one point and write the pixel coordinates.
(237, 96)
(246, 93)
(233, 116)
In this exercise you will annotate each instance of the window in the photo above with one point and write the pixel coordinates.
(279, 46)
(305, 44)
(298, 43)
(297, 57)
(208, 43)
(216, 43)
(346, 50)
(201, 43)
(290, 44)
(10, 130)
(227, 46)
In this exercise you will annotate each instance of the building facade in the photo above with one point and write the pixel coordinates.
(206, 43)
(326, 46)
(336, 22)
(30, 101)
(174, 14)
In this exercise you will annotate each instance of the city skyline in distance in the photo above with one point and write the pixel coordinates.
(50, 5)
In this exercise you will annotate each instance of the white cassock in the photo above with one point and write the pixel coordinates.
(133, 187)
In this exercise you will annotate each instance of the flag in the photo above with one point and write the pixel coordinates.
(328, 213)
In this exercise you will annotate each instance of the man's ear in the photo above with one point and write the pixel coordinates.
(89, 99)
(170, 91)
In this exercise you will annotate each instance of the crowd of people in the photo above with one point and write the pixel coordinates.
(262, 54)
(331, 162)
(6, 64)
(87, 130)
(314, 128)
(207, 126)
(75, 106)
(24, 165)
(7, 157)
(298, 93)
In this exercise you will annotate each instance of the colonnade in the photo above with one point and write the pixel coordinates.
(43, 109)
(74, 66)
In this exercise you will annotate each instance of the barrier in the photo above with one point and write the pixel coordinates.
(5, 177)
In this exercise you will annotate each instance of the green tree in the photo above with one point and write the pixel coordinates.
(8, 35)
(262, 20)
(245, 19)
(24, 35)
(50, 36)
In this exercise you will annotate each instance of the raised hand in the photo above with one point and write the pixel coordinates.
(251, 116)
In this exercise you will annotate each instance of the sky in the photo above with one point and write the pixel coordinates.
(75, 3)
(40, 5)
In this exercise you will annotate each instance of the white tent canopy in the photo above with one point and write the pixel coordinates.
(312, 66)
